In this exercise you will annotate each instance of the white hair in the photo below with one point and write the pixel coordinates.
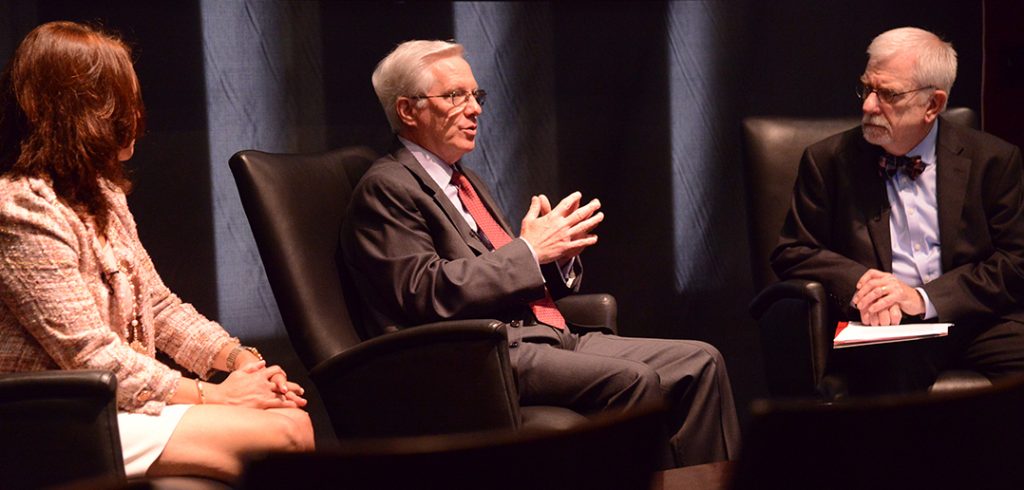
(403, 72)
(935, 64)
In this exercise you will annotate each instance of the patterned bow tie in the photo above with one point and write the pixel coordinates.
(888, 165)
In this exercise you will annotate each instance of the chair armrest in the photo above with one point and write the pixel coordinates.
(590, 312)
(796, 335)
(811, 291)
(68, 417)
(436, 378)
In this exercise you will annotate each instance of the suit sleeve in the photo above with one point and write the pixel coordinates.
(555, 279)
(806, 247)
(413, 260)
(992, 285)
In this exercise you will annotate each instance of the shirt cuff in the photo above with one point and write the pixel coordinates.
(568, 272)
(929, 308)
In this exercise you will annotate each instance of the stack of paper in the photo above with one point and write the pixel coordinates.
(853, 334)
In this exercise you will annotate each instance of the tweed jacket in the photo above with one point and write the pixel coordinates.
(67, 298)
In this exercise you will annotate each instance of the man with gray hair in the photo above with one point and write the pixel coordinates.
(425, 241)
(912, 217)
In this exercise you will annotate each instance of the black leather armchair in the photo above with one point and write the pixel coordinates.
(796, 325)
(444, 377)
(57, 427)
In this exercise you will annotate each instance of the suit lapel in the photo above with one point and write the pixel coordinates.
(404, 156)
(951, 187)
(874, 202)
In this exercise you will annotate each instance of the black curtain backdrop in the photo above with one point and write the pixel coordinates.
(1003, 70)
(638, 104)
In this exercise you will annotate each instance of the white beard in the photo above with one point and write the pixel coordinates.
(880, 134)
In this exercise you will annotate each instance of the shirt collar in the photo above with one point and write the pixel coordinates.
(438, 170)
(926, 148)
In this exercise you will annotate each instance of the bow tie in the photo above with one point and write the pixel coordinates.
(888, 165)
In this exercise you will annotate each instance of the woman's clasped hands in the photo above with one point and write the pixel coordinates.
(257, 385)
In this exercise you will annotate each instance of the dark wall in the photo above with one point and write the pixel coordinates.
(172, 163)
(1004, 70)
(679, 270)
(356, 35)
(805, 57)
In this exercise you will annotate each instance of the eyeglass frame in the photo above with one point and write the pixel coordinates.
(479, 95)
(885, 95)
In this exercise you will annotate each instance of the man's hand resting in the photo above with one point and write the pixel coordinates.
(563, 232)
(882, 299)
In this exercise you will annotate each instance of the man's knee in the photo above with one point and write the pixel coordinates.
(634, 382)
(707, 356)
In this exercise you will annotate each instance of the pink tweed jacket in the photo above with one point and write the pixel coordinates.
(67, 299)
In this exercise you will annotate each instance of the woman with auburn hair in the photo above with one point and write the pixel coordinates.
(79, 291)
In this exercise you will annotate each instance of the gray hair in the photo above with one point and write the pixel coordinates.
(936, 59)
(403, 73)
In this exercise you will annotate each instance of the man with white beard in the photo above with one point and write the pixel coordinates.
(912, 217)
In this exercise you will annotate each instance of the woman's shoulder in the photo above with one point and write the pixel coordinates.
(29, 207)
(26, 194)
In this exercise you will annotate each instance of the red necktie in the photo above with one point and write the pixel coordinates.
(544, 309)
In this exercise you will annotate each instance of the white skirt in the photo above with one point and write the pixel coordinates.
(143, 437)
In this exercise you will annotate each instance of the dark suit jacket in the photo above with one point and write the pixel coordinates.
(416, 260)
(838, 223)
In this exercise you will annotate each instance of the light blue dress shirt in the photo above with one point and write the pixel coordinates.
(914, 222)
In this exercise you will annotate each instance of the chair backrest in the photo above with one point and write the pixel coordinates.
(773, 147)
(964, 439)
(609, 451)
(295, 205)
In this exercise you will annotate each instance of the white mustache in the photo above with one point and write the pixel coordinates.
(875, 121)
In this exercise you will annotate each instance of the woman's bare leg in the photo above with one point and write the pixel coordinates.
(213, 440)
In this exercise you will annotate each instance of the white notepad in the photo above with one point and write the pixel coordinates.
(853, 334)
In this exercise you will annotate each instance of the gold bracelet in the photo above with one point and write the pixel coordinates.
(202, 394)
(254, 352)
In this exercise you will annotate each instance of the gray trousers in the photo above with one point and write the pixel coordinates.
(596, 372)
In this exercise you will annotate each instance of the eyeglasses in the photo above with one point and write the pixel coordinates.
(885, 95)
(458, 97)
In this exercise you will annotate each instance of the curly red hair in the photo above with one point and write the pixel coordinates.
(69, 103)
